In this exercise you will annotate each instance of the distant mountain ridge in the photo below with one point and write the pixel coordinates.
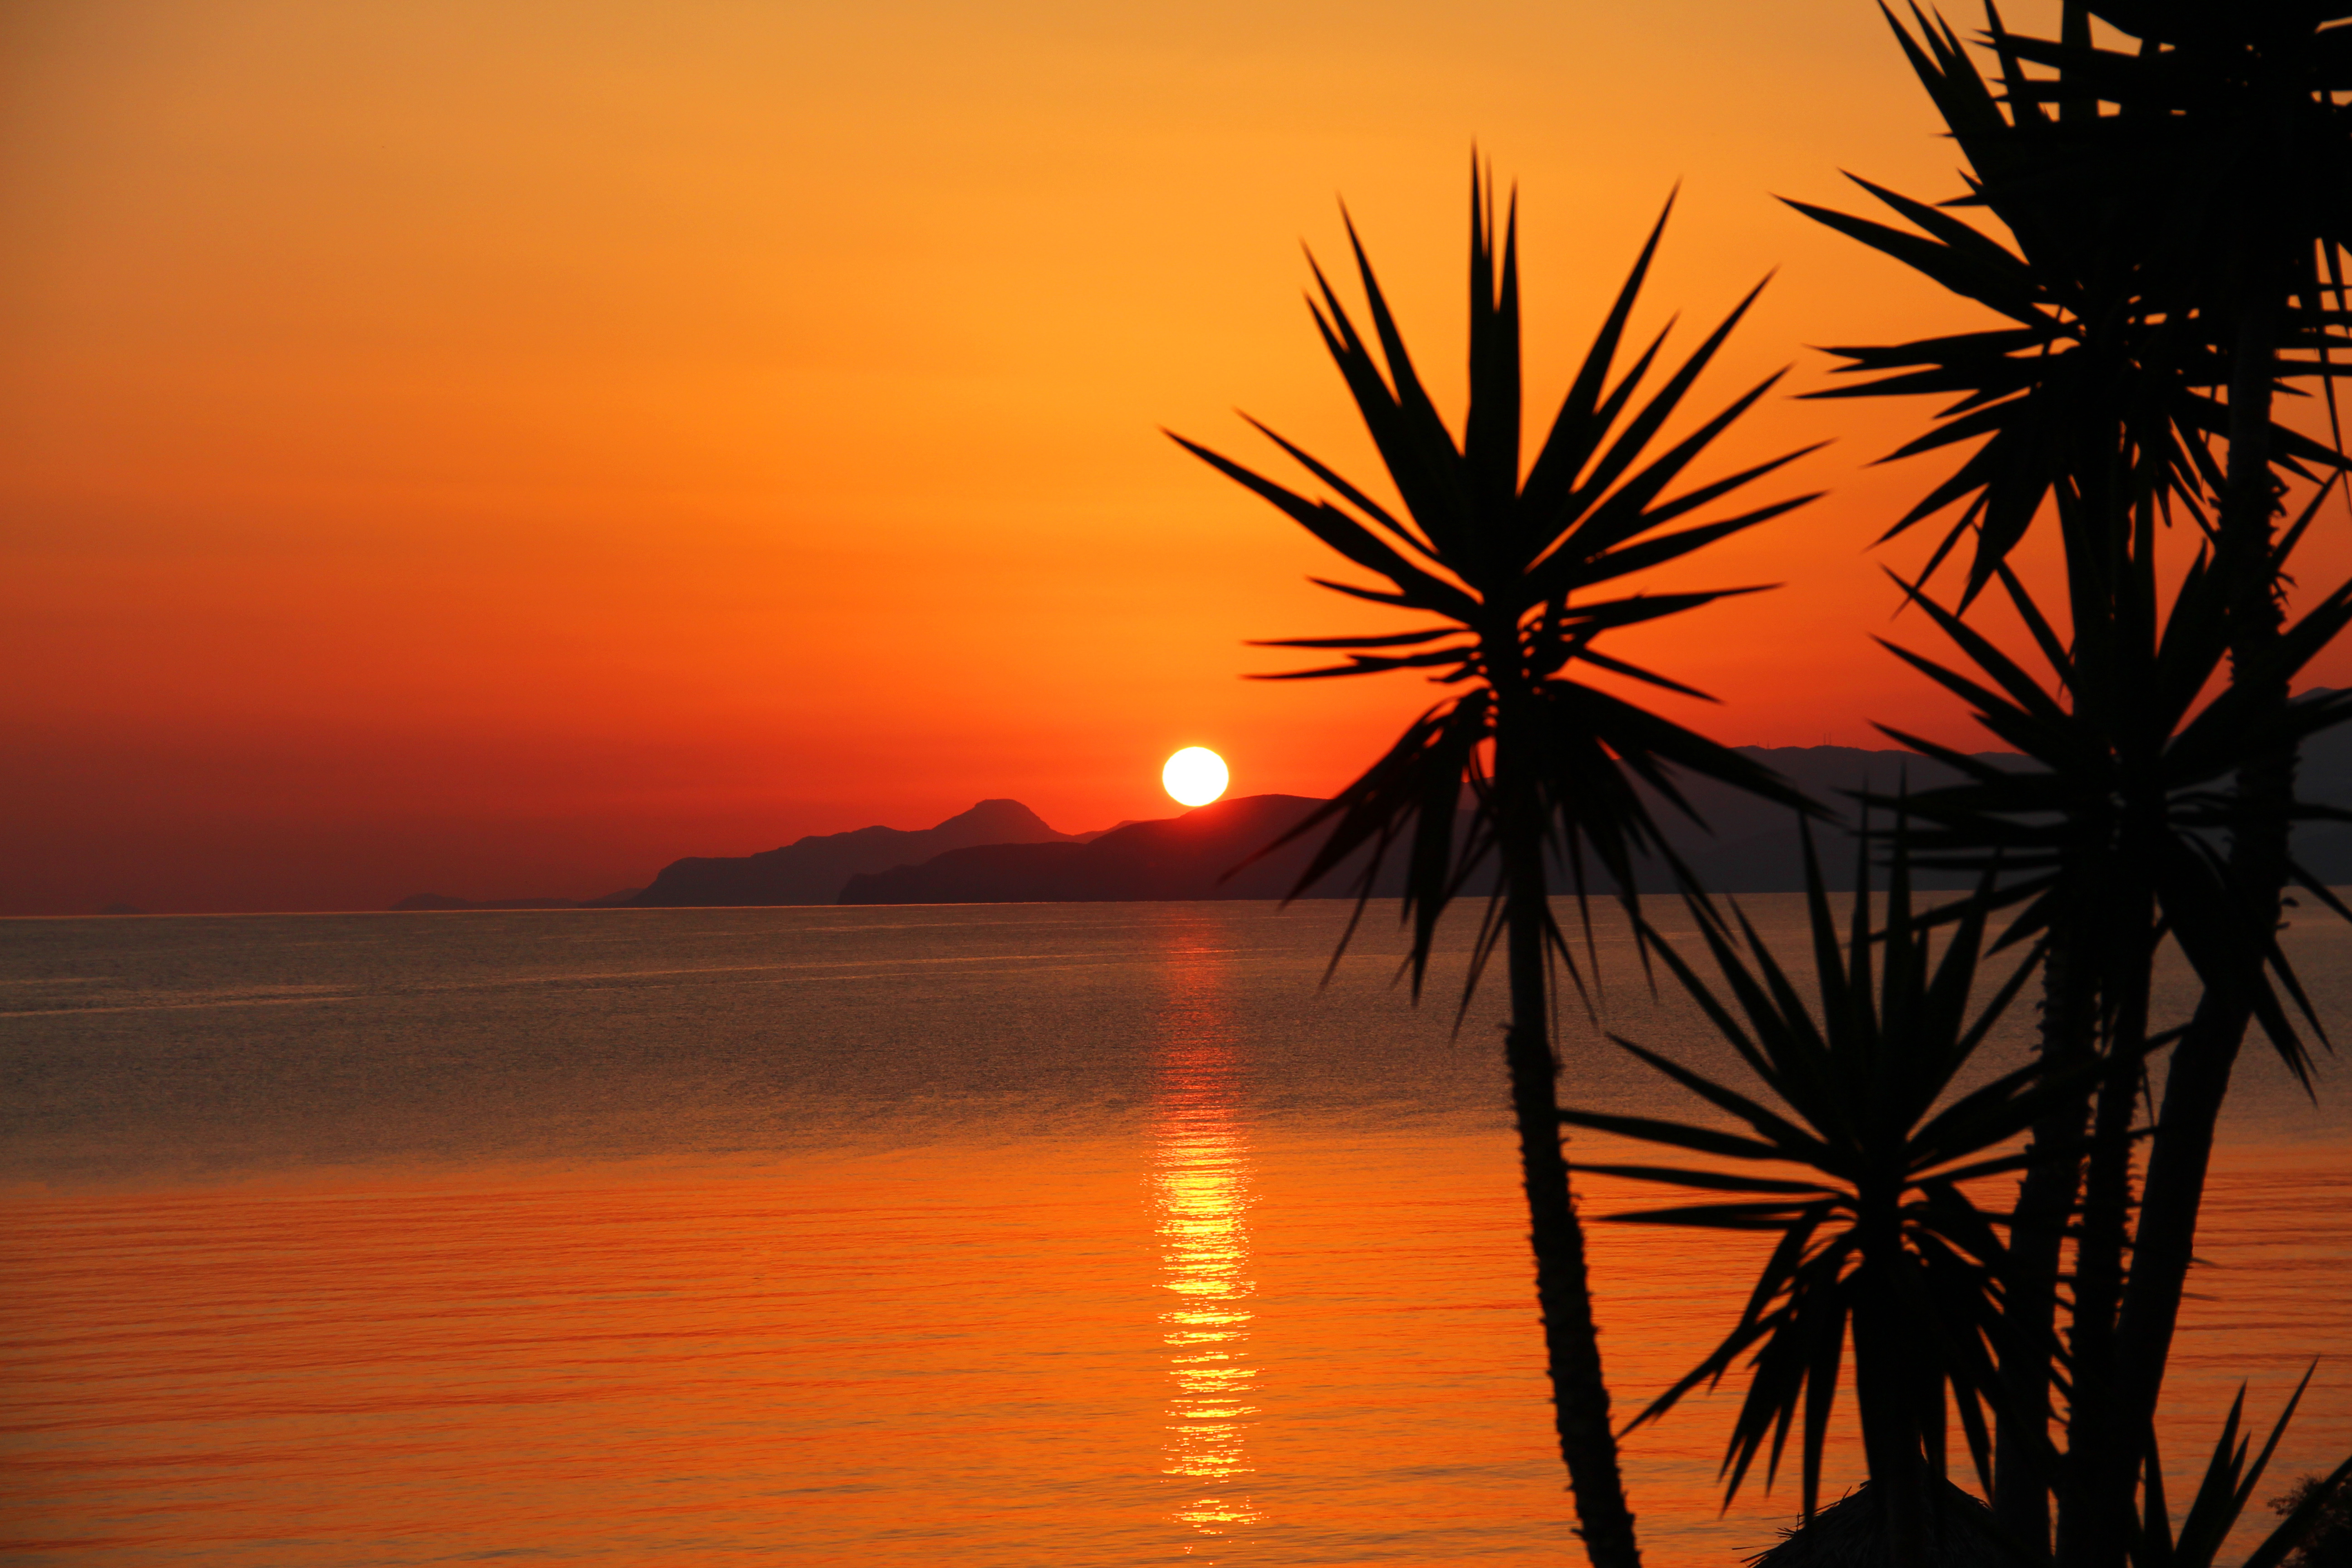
(1175, 857)
(1753, 847)
(1747, 845)
(1001, 851)
(812, 870)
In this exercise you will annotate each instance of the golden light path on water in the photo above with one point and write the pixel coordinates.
(1201, 1200)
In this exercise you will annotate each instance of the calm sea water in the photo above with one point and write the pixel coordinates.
(999, 1235)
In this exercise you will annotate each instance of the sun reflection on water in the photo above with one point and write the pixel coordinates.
(1201, 1195)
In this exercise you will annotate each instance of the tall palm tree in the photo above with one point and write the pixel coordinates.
(1522, 570)
(2107, 835)
(2227, 126)
(2170, 209)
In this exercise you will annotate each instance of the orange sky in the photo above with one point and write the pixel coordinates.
(498, 449)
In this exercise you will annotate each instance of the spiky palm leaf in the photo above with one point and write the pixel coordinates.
(2177, 216)
(2226, 158)
(2230, 155)
(2222, 1493)
(1523, 568)
(2102, 379)
(2125, 794)
(2112, 837)
(1879, 1239)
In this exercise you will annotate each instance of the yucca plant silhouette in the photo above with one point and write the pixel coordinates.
(1522, 570)
(2221, 1495)
(2090, 383)
(2109, 834)
(1880, 1244)
(2176, 216)
(2232, 142)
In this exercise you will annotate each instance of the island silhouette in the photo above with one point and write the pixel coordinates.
(1000, 851)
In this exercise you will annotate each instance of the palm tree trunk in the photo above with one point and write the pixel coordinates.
(1572, 1340)
(2096, 1509)
(2195, 1084)
(1885, 1383)
(2198, 1076)
(2045, 1197)
(2087, 1533)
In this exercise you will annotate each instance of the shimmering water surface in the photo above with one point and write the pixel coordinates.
(1000, 1234)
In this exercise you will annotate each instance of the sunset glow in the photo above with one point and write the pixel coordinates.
(503, 449)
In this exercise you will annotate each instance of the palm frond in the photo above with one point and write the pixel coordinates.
(1857, 1080)
(1520, 571)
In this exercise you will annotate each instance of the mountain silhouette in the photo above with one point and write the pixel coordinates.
(2323, 777)
(1000, 852)
(812, 870)
(1751, 846)
(1746, 846)
(1175, 857)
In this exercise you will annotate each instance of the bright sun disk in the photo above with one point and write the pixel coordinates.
(1195, 775)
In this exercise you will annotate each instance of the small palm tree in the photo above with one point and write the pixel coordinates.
(1522, 570)
(1880, 1242)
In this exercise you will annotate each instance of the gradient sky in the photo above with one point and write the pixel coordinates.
(498, 448)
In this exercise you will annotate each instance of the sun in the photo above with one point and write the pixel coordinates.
(1195, 775)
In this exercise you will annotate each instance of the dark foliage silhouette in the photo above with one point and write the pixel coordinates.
(2176, 214)
(2160, 229)
(1880, 1245)
(1523, 569)
(2316, 1519)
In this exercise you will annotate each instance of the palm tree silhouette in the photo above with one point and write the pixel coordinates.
(2179, 218)
(1556, 770)
(1879, 1242)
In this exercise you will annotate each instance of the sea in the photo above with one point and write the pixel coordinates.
(993, 1236)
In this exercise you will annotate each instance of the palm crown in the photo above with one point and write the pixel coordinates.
(1523, 571)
